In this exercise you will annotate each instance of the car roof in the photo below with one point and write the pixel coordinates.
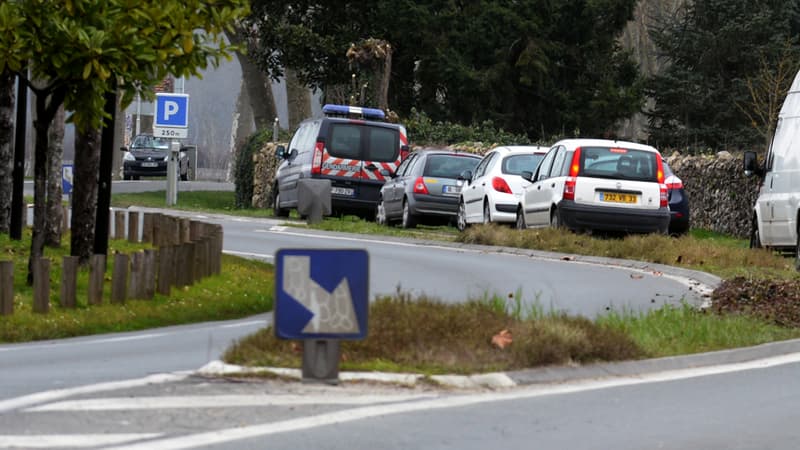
(510, 149)
(583, 142)
(445, 151)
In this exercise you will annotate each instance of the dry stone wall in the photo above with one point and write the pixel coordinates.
(721, 197)
(265, 163)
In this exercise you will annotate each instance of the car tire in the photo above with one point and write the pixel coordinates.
(184, 177)
(461, 217)
(409, 220)
(755, 237)
(126, 177)
(135, 177)
(380, 213)
(279, 212)
(555, 220)
(797, 253)
(520, 222)
(487, 215)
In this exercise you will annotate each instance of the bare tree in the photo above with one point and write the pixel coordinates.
(768, 88)
(6, 150)
(298, 99)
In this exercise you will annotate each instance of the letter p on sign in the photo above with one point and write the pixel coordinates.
(172, 110)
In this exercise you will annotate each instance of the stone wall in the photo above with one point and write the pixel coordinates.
(721, 197)
(265, 163)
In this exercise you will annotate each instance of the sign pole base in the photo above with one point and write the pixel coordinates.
(321, 361)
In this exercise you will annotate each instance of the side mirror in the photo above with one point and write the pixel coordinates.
(527, 175)
(751, 165)
(465, 176)
(292, 154)
(404, 149)
(280, 152)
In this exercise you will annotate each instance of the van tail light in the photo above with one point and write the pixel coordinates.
(419, 186)
(663, 195)
(572, 179)
(659, 169)
(316, 160)
(500, 185)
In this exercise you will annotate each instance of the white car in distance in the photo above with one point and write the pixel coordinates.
(594, 184)
(491, 192)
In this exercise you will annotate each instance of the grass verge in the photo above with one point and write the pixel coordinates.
(243, 288)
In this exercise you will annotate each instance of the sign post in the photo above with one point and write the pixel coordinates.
(321, 298)
(172, 121)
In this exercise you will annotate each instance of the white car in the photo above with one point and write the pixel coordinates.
(593, 184)
(491, 193)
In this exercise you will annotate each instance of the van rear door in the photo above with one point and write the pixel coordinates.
(381, 152)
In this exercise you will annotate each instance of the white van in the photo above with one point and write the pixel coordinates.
(776, 214)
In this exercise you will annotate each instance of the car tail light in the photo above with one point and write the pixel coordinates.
(572, 179)
(316, 160)
(674, 184)
(659, 170)
(419, 186)
(663, 195)
(500, 185)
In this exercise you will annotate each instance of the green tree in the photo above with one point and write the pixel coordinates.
(712, 47)
(531, 67)
(84, 49)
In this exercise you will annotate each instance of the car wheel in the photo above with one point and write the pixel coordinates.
(461, 217)
(380, 213)
(555, 222)
(135, 177)
(797, 253)
(521, 220)
(487, 215)
(126, 177)
(409, 220)
(755, 238)
(185, 176)
(280, 212)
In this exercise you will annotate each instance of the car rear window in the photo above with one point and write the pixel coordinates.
(612, 162)
(448, 166)
(363, 142)
(516, 164)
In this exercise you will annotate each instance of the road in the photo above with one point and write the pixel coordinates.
(139, 390)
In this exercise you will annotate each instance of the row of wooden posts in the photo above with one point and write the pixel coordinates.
(187, 251)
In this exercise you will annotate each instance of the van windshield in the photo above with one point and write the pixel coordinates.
(629, 164)
(364, 142)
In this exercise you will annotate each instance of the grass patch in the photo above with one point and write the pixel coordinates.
(354, 224)
(453, 338)
(220, 202)
(725, 257)
(243, 288)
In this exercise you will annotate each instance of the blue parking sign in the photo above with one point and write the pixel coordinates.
(172, 110)
(321, 293)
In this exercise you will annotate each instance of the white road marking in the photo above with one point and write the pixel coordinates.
(86, 342)
(247, 324)
(221, 401)
(70, 440)
(350, 415)
(250, 254)
(57, 394)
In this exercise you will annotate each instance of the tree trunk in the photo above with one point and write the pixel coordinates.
(241, 128)
(55, 153)
(257, 85)
(84, 194)
(45, 111)
(6, 150)
(298, 99)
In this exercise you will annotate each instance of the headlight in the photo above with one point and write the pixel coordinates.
(128, 157)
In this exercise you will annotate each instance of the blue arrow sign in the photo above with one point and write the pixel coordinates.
(321, 294)
(172, 110)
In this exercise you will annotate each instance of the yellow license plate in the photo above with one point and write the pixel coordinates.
(616, 197)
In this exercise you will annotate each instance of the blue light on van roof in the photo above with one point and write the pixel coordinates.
(367, 113)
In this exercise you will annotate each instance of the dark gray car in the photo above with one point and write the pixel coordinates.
(148, 157)
(425, 186)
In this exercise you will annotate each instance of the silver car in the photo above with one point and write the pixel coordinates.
(425, 186)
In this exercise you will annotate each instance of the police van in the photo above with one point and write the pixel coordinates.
(353, 147)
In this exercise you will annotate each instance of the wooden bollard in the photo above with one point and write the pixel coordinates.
(69, 278)
(165, 269)
(6, 288)
(175, 231)
(148, 223)
(119, 278)
(41, 286)
(149, 273)
(119, 225)
(185, 231)
(195, 230)
(133, 226)
(218, 250)
(97, 274)
(136, 278)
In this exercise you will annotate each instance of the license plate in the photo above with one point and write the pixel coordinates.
(451, 189)
(149, 164)
(347, 192)
(616, 197)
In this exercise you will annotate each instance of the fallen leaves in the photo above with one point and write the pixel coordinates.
(502, 339)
